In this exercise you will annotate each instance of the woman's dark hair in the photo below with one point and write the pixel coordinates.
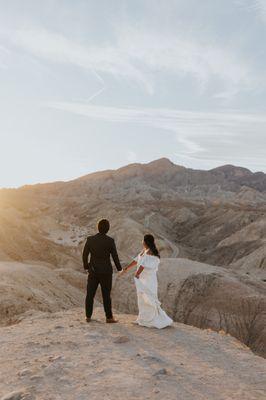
(150, 242)
(103, 226)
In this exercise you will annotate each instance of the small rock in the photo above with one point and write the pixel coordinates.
(121, 339)
(161, 371)
(59, 327)
(100, 371)
(55, 358)
(35, 377)
(153, 358)
(24, 372)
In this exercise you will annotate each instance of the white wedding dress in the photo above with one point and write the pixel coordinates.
(150, 311)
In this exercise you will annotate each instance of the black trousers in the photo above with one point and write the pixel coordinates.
(105, 281)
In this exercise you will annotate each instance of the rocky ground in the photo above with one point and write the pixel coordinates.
(59, 356)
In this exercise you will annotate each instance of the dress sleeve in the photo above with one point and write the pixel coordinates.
(146, 262)
(138, 257)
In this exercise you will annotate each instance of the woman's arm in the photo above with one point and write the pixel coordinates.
(139, 271)
(131, 265)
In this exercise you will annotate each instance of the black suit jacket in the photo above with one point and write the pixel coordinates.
(100, 247)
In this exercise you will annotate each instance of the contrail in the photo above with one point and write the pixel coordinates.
(95, 94)
(100, 90)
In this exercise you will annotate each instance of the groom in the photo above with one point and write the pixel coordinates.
(100, 247)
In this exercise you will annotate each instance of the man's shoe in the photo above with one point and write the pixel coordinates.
(111, 320)
(88, 319)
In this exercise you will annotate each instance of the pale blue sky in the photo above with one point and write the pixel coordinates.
(89, 85)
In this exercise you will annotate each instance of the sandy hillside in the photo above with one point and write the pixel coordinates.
(25, 287)
(59, 356)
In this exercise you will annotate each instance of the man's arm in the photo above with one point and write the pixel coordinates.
(85, 255)
(115, 256)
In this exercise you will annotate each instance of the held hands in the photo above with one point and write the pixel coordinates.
(131, 265)
(121, 273)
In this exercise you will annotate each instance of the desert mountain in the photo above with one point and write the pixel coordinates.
(215, 218)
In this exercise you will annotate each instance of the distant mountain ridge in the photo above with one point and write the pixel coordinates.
(192, 210)
(229, 176)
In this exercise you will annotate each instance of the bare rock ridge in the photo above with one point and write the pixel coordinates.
(242, 176)
(26, 288)
(207, 297)
(52, 356)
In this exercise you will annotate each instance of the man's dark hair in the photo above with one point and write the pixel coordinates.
(103, 226)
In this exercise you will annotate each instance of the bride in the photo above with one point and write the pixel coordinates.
(147, 262)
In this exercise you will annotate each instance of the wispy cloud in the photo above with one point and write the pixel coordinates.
(183, 56)
(260, 8)
(57, 48)
(257, 6)
(162, 116)
(136, 55)
(199, 134)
